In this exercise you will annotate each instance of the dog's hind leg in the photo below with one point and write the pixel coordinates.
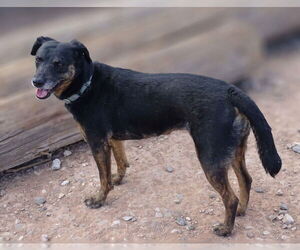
(121, 160)
(244, 178)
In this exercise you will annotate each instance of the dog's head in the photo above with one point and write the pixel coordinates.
(58, 66)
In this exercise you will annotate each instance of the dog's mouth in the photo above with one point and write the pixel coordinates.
(43, 93)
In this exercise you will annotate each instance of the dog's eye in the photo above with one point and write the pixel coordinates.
(38, 59)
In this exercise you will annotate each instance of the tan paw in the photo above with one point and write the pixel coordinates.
(240, 211)
(116, 179)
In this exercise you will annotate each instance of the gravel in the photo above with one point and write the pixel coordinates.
(56, 164)
(284, 206)
(259, 190)
(296, 148)
(181, 221)
(169, 169)
(39, 200)
(65, 182)
(67, 153)
(288, 219)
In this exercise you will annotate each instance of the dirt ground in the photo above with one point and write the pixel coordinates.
(154, 197)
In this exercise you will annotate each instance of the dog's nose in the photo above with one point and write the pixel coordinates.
(37, 82)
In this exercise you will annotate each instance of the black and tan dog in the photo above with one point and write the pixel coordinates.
(113, 104)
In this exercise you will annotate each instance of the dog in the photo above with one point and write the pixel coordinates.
(114, 104)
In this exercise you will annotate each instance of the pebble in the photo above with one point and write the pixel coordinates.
(250, 235)
(177, 231)
(116, 223)
(190, 227)
(288, 219)
(272, 217)
(45, 238)
(279, 192)
(296, 148)
(21, 238)
(249, 227)
(178, 199)
(67, 153)
(2, 193)
(266, 233)
(284, 206)
(56, 164)
(181, 221)
(284, 237)
(212, 196)
(39, 200)
(61, 195)
(65, 182)
(129, 218)
(259, 190)
(169, 169)
(44, 191)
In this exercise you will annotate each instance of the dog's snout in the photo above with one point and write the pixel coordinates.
(37, 82)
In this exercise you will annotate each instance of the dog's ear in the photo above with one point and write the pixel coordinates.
(82, 49)
(38, 43)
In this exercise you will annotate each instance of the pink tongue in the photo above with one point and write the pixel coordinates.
(41, 93)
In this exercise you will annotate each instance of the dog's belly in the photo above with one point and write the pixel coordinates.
(140, 133)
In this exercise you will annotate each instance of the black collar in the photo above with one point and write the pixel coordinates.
(83, 89)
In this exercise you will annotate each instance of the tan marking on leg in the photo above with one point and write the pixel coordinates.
(102, 157)
(121, 160)
(69, 76)
(221, 184)
(244, 178)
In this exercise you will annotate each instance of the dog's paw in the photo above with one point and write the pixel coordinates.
(116, 179)
(221, 230)
(95, 201)
(240, 211)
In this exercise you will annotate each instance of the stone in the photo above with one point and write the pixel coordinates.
(65, 182)
(249, 227)
(259, 190)
(129, 218)
(190, 227)
(288, 219)
(67, 153)
(177, 231)
(279, 192)
(283, 206)
(169, 169)
(39, 200)
(250, 235)
(2, 193)
(61, 195)
(116, 223)
(56, 164)
(265, 233)
(296, 148)
(178, 199)
(181, 221)
(45, 238)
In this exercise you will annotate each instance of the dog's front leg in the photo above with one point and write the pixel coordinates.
(102, 155)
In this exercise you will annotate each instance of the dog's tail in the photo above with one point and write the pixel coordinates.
(262, 131)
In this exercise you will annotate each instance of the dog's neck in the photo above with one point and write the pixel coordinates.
(79, 86)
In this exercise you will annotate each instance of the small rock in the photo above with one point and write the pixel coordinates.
(2, 193)
(61, 195)
(284, 206)
(177, 231)
(169, 169)
(249, 227)
(44, 191)
(116, 223)
(279, 192)
(259, 190)
(21, 238)
(280, 217)
(67, 153)
(212, 196)
(56, 164)
(250, 235)
(48, 214)
(129, 218)
(285, 226)
(294, 228)
(266, 233)
(188, 218)
(296, 148)
(39, 200)
(65, 182)
(178, 199)
(190, 227)
(284, 237)
(45, 238)
(181, 221)
(272, 217)
(288, 220)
